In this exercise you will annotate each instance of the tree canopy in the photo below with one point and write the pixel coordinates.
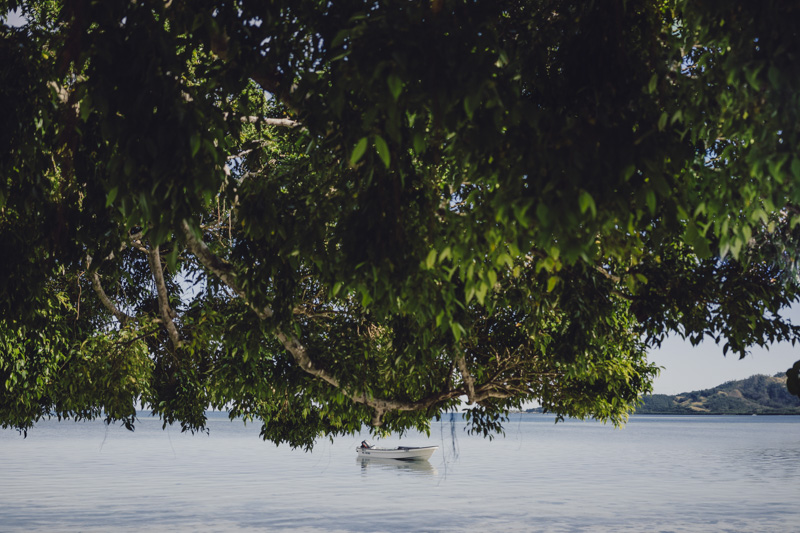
(326, 215)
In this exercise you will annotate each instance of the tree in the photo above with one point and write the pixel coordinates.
(323, 215)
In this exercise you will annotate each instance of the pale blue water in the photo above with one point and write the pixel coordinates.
(668, 474)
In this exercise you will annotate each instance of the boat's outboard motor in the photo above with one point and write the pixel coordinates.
(366, 444)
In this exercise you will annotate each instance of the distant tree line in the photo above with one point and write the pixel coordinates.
(755, 395)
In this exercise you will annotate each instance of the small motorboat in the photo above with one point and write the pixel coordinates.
(402, 453)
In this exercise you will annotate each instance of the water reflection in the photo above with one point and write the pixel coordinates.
(413, 467)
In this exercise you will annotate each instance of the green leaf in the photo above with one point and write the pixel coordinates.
(358, 151)
(395, 86)
(383, 150)
(430, 260)
(336, 288)
(651, 201)
(172, 259)
(630, 282)
(751, 75)
(586, 202)
(457, 330)
(759, 215)
(469, 293)
(736, 247)
(480, 292)
(366, 298)
(662, 121)
(651, 85)
(86, 108)
(796, 168)
(543, 214)
(628, 172)
(747, 233)
(471, 102)
(194, 143)
(552, 281)
(774, 77)
(339, 38)
(700, 244)
(419, 143)
(506, 259)
(775, 165)
(112, 195)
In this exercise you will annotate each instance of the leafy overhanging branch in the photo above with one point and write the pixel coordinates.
(492, 389)
(448, 184)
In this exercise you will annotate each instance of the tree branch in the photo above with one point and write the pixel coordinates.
(167, 313)
(608, 275)
(219, 267)
(300, 354)
(617, 280)
(123, 318)
(269, 121)
(106, 301)
(285, 122)
(469, 381)
(379, 406)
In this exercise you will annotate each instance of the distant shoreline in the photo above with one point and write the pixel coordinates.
(538, 412)
(758, 395)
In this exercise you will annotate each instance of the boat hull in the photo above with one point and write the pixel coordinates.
(402, 453)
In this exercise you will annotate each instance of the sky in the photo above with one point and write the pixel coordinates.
(688, 368)
(12, 18)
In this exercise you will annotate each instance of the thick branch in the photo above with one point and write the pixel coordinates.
(469, 381)
(219, 267)
(380, 406)
(269, 121)
(300, 354)
(608, 275)
(167, 313)
(104, 299)
(285, 122)
(98, 289)
(615, 279)
(301, 357)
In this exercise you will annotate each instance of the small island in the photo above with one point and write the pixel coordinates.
(756, 395)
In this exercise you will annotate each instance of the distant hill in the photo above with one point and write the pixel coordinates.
(759, 395)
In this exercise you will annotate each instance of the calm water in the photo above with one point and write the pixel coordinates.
(669, 474)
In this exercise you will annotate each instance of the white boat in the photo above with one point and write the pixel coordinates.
(402, 453)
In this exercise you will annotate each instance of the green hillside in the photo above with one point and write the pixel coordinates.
(762, 395)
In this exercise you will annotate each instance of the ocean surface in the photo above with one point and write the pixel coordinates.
(658, 473)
